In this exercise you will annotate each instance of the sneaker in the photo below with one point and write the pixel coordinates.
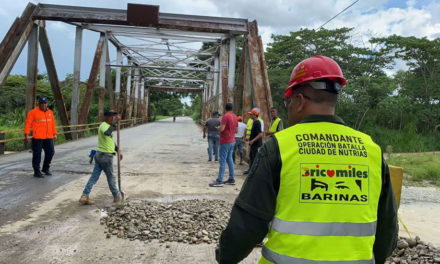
(47, 172)
(209, 160)
(117, 198)
(86, 200)
(230, 182)
(246, 172)
(216, 183)
(37, 174)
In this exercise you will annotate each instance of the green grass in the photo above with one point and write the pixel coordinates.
(419, 166)
(160, 117)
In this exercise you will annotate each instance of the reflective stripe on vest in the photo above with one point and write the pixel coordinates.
(326, 209)
(274, 126)
(323, 229)
(273, 257)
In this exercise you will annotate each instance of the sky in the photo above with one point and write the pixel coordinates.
(369, 18)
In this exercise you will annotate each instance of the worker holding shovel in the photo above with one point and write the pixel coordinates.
(104, 158)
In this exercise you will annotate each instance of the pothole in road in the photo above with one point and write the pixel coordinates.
(191, 221)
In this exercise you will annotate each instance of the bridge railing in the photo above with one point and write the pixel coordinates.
(76, 129)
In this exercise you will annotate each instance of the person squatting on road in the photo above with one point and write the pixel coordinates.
(104, 158)
(42, 122)
(315, 204)
(241, 132)
(228, 127)
(213, 135)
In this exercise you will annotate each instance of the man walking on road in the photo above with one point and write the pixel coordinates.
(241, 132)
(276, 124)
(42, 122)
(213, 135)
(104, 158)
(332, 204)
(228, 127)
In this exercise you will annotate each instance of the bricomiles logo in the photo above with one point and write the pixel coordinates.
(350, 171)
(334, 183)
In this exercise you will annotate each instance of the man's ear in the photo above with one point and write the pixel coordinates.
(302, 101)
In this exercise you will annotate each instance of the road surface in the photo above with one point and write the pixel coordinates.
(42, 222)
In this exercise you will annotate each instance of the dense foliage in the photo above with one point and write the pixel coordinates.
(402, 111)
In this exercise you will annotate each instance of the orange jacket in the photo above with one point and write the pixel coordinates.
(42, 124)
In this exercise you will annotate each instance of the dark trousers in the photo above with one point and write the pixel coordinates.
(253, 154)
(49, 151)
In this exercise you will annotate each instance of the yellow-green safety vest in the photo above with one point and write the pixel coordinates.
(326, 209)
(273, 127)
(249, 127)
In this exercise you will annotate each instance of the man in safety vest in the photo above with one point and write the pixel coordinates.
(42, 122)
(276, 124)
(319, 190)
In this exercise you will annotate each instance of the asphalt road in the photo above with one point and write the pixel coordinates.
(42, 222)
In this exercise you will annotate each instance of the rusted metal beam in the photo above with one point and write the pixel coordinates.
(119, 17)
(128, 92)
(76, 79)
(91, 83)
(109, 81)
(131, 102)
(224, 76)
(32, 69)
(54, 82)
(143, 15)
(175, 89)
(14, 42)
(102, 78)
(260, 83)
(238, 91)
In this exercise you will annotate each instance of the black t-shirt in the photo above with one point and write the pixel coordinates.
(256, 129)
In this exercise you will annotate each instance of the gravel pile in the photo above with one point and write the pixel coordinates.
(188, 221)
(202, 221)
(414, 251)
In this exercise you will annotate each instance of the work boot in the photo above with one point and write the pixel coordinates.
(47, 172)
(117, 198)
(37, 174)
(84, 200)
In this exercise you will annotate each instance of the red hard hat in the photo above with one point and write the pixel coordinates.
(315, 68)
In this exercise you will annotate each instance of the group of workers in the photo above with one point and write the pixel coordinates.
(226, 136)
(41, 121)
(310, 204)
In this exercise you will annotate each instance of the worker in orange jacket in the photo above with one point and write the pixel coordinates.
(42, 122)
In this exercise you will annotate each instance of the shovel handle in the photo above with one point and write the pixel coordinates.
(118, 141)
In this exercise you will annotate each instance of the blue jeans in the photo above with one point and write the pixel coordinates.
(103, 162)
(226, 152)
(213, 141)
(239, 146)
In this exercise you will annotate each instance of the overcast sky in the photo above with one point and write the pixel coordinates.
(418, 18)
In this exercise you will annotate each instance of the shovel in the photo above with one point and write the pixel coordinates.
(118, 141)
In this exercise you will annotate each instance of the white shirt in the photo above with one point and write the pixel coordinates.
(241, 128)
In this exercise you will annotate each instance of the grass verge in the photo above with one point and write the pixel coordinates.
(420, 166)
